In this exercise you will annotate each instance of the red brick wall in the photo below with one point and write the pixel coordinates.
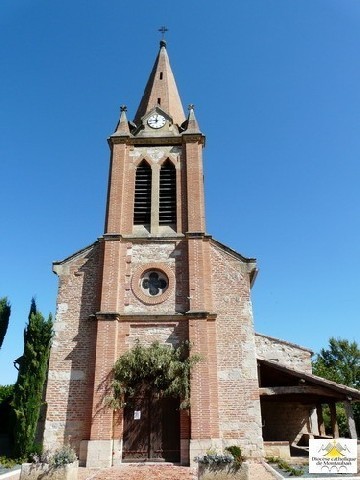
(119, 215)
(195, 213)
(72, 358)
(239, 404)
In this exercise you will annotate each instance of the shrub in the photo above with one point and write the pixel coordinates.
(292, 471)
(62, 456)
(215, 459)
(235, 451)
(7, 462)
(231, 457)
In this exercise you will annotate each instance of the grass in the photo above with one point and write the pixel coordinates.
(7, 462)
(283, 465)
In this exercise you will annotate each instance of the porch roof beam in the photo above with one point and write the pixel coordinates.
(300, 390)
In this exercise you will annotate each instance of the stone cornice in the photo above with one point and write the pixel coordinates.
(194, 138)
(144, 141)
(133, 238)
(153, 318)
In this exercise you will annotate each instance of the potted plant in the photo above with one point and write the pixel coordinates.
(226, 465)
(59, 465)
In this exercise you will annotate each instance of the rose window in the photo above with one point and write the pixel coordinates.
(154, 283)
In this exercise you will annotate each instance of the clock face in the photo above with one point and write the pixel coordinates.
(156, 121)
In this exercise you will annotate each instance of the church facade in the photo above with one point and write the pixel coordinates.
(156, 275)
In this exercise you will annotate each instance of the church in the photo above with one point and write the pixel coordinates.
(155, 274)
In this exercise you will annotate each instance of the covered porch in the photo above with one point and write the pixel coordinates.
(292, 404)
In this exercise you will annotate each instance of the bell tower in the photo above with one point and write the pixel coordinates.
(153, 189)
(156, 282)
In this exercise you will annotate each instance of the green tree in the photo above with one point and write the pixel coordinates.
(340, 362)
(6, 392)
(6, 396)
(28, 391)
(157, 368)
(5, 310)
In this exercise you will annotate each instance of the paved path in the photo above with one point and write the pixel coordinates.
(10, 475)
(149, 472)
(138, 472)
(257, 471)
(158, 472)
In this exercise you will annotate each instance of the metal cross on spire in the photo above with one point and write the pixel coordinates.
(163, 30)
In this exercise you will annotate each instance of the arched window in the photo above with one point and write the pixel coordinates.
(167, 194)
(142, 202)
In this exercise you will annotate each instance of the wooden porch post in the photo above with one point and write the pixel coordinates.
(320, 419)
(334, 424)
(350, 417)
(313, 421)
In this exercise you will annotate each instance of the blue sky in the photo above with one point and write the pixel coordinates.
(275, 84)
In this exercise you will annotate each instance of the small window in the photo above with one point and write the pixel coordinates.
(159, 101)
(161, 75)
(142, 201)
(167, 204)
(154, 283)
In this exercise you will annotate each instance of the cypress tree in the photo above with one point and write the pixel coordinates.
(28, 392)
(5, 311)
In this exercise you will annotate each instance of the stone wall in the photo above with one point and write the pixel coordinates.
(168, 255)
(284, 421)
(286, 353)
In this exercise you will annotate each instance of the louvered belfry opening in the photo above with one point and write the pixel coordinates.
(142, 201)
(167, 207)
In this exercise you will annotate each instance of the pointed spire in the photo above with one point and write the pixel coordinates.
(161, 90)
(122, 129)
(191, 125)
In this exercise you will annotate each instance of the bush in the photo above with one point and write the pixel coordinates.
(235, 451)
(215, 459)
(231, 457)
(61, 457)
(296, 472)
(7, 462)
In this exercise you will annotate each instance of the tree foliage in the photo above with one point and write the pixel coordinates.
(5, 310)
(160, 369)
(340, 362)
(6, 392)
(6, 396)
(28, 391)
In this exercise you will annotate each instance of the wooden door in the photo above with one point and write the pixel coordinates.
(151, 430)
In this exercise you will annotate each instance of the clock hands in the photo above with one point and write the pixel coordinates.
(156, 121)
